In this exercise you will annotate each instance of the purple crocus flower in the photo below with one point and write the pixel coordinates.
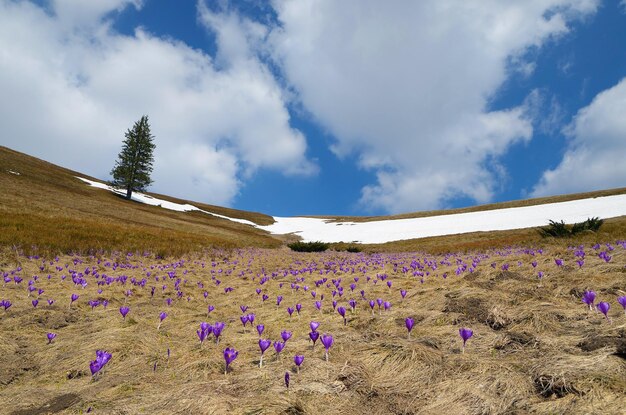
(263, 345)
(314, 335)
(298, 308)
(35, 302)
(243, 308)
(298, 359)
(201, 335)
(102, 358)
(230, 355)
(622, 301)
(51, 337)
(465, 335)
(279, 299)
(124, 311)
(290, 310)
(604, 308)
(403, 293)
(162, 316)
(251, 318)
(352, 304)
(314, 325)
(318, 305)
(217, 330)
(73, 298)
(286, 379)
(285, 335)
(558, 262)
(387, 305)
(409, 322)
(372, 305)
(279, 346)
(205, 330)
(209, 309)
(342, 312)
(327, 341)
(244, 321)
(588, 298)
(260, 329)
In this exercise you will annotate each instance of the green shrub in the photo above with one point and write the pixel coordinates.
(561, 230)
(593, 224)
(309, 246)
(353, 249)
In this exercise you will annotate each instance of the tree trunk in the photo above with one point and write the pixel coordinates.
(129, 192)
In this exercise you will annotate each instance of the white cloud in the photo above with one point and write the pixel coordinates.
(594, 158)
(406, 86)
(71, 87)
(81, 14)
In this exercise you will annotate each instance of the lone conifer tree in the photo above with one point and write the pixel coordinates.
(134, 163)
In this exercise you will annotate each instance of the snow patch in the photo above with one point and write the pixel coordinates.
(314, 229)
(326, 230)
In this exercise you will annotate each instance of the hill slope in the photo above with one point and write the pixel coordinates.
(53, 209)
(46, 205)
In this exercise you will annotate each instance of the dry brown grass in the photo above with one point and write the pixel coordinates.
(48, 210)
(535, 349)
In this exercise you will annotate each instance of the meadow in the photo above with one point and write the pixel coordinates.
(114, 307)
(536, 346)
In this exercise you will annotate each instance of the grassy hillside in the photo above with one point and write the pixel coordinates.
(46, 207)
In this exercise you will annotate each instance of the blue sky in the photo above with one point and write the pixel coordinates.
(325, 107)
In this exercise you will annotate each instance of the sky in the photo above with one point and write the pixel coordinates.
(323, 107)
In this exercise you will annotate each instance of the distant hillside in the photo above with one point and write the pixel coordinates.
(45, 205)
(46, 208)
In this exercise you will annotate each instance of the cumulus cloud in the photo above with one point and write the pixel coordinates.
(71, 86)
(407, 85)
(594, 158)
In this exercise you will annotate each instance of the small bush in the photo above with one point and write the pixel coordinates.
(561, 230)
(308, 246)
(353, 249)
(555, 229)
(593, 224)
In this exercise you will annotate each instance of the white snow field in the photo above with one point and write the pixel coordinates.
(316, 229)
